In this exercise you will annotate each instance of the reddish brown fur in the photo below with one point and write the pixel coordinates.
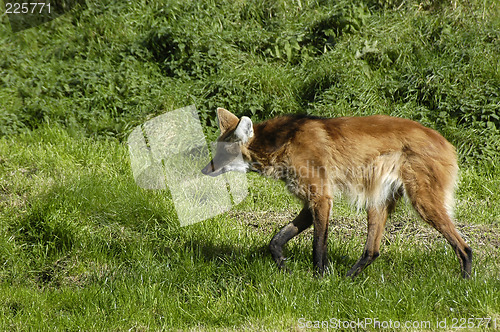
(373, 160)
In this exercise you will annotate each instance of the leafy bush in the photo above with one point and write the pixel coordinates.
(107, 68)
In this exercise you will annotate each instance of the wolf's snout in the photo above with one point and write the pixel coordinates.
(209, 169)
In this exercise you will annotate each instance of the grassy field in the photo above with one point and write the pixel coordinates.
(82, 247)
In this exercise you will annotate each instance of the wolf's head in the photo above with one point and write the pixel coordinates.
(231, 144)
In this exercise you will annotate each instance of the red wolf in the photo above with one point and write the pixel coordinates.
(373, 160)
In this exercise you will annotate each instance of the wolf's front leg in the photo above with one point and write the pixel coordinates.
(320, 208)
(300, 223)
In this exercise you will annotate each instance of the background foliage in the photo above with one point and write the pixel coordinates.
(108, 66)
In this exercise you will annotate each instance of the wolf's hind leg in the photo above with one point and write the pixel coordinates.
(377, 218)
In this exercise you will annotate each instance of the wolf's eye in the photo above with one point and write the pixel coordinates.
(232, 148)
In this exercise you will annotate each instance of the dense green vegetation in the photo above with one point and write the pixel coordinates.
(105, 69)
(82, 247)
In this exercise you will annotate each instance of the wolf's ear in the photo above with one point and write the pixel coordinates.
(226, 120)
(244, 130)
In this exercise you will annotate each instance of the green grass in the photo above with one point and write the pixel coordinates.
(82, 247)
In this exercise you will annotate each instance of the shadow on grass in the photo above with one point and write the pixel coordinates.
(298, 258)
